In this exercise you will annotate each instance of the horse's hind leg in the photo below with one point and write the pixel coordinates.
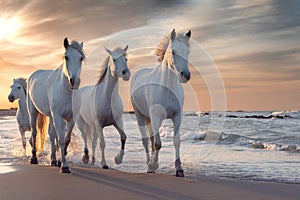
(92, 132)
(119, 126)
(176, 142)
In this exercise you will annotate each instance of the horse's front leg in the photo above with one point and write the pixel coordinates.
(60, 130)
(176, 141)
(22, 132)
(53, 136)
(155, 124)
(99, 130)
(70, 126)
(81, 125)
(119, 126)
(33, 117)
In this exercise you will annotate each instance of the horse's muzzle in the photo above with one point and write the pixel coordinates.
(74, 83)
(126, 76)
(11, 98)
(185, 77)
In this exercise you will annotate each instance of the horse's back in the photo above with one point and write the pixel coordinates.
(37, 90)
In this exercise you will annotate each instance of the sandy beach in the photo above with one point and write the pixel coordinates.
(44, 182)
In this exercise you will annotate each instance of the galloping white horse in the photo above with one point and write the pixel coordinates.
(50, 93)
(157, 94)
(100, 105)
(19, 91)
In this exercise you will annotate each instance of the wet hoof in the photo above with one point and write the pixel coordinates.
(58, 163)
(153, 166)
(53, 163)
(65, 170)
(150, 172)
(85, 158)
(179, 173)
(118, 159)
(105, 167)
(34, 161)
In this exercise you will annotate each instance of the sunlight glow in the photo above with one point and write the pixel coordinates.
(9, 27)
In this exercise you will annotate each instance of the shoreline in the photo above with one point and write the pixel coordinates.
(45, 182)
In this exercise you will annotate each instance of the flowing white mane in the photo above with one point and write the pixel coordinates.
(105, 64)
(163, 45)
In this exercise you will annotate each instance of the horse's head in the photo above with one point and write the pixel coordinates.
(178, 52)
(118, 60)
(18, 89)
(73, 58)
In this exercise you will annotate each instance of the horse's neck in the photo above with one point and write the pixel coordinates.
(23, 104)
(168, 76)
(63, 78)
(109, 83)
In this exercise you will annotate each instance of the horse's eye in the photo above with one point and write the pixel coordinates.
(81, 59)
(66, 58)
(173, 52)
(114, 60)
(19, 87)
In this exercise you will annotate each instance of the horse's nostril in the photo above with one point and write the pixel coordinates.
(181, 73)
(123, 72)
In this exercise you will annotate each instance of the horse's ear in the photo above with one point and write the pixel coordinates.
(108, 51)
(125, 49)
(189, 33)
(81, 44)
(66, 42)
(173, 34)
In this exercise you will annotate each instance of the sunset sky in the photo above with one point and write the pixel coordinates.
(254, 44)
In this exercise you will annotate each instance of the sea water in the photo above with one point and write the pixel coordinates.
(245, 146)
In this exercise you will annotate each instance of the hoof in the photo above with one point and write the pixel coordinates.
(151, 172)
(33, 161)
(53, 163)
(85, 158)
(65, 170)
(179, 173)
(58, 163)
(118, 160)
(105, 167)
(153, 166)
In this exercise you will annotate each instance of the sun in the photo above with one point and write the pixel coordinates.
(9, 27)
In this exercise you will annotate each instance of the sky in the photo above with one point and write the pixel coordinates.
(255, 45)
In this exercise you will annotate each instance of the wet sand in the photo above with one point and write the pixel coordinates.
(44, 182)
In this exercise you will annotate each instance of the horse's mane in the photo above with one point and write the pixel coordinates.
(104, 67)
(163, 45)
(74, 44)
(105, 63)
(23, 83)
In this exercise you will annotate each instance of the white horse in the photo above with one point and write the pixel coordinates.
(100, 105)
(50, 93)
(18, 92)
(157, 94)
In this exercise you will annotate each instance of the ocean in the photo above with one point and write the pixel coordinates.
(260, 146)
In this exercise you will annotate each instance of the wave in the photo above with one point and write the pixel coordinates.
(235, 139)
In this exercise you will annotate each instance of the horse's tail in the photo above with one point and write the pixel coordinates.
(42, 130)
